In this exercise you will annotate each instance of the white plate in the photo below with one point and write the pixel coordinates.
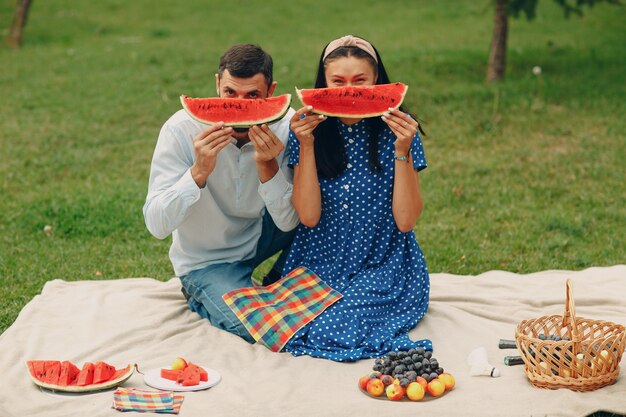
(153, 378)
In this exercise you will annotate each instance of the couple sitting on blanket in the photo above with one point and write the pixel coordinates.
(339, 196)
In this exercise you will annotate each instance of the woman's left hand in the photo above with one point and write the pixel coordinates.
(404, 127)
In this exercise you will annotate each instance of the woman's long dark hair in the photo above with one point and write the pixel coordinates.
(330, 153)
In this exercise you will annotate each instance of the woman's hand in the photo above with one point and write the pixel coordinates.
(404, 127)
(303, 123)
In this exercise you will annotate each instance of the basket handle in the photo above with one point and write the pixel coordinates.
(569, 317)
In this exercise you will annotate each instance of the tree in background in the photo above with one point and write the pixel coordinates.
(506, 8)
(14, 39)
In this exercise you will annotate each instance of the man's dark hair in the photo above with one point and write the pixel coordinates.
(245, 61)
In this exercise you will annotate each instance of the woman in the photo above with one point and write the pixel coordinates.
(357, 193)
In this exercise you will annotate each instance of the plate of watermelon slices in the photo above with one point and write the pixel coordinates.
(171, 380)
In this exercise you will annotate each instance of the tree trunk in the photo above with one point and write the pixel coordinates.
(497, 54)
(14, 39)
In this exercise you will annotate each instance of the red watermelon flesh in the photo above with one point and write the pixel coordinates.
(52, 370)
(170, 374)
(354, 101)
(236, 112)
(102, 372)
(190, 376)
(69, 372)
(37, 369)
(85, 377)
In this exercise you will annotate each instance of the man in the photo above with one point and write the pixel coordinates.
(224, 194)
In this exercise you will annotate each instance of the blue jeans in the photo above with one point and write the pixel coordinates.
(205, 286)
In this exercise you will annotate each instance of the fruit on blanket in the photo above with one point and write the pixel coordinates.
(52, 370)
(375, 387)
(69, 373)
(354, 101)
(387, 379)
(448, 380)
(394, 392)
(415, 391)
(422, 382)
(65, 376)
(102, 372)
(171, 374)
(191, 374)
(179, 364)
(409, 365)
(85, 377)
(236, 112)
(436, 388)
(363, 382)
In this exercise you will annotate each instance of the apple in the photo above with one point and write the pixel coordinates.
(179, 364)
(436, 387)
(375, 387)
(448, 380)
(363, 382)
(415, 391)
(394, 392)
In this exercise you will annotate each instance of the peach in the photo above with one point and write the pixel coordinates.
(394, 392)
(436, 388)
(363, 382)
(375, 387)
(179, 364)
(415, 391)
(422, 382)
(448, 380)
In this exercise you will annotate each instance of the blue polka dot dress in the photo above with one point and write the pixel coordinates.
(358, 250)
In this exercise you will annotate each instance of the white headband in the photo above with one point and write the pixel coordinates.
(350, 40)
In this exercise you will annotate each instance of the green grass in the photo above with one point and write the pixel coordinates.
(520, 179)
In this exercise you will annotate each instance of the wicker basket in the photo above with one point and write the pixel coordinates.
(586, 359)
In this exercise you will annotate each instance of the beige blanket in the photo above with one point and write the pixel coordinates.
(145, 321)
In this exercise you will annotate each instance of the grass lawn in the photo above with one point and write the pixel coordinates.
(523, 176)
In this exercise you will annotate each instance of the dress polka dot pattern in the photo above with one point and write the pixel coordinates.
(357, 249)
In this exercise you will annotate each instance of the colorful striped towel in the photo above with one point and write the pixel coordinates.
(131, 399)
(273, 314)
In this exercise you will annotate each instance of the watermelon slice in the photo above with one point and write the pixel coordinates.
(69, 372)
(190, 375)
(170, 374)
(355, 102)
(237, 112)
(102, 372)
(85, 377)
(57, 376)
(52, 370)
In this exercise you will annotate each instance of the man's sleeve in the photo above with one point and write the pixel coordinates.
(171, 189)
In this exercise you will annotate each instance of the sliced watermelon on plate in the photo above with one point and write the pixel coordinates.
(65, 376)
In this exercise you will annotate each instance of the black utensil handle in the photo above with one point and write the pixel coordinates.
(507, 344)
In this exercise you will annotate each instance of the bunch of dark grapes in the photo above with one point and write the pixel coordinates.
(406, 366)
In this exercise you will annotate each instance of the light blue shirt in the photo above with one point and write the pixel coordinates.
(221, 222)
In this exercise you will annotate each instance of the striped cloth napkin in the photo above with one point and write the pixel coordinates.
(273, 314)
(131, 399)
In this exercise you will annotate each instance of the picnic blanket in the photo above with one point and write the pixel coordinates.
(144, 321)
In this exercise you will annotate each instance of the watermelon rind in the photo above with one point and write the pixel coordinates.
(268, 119)
(352, 110)
(128, 372)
